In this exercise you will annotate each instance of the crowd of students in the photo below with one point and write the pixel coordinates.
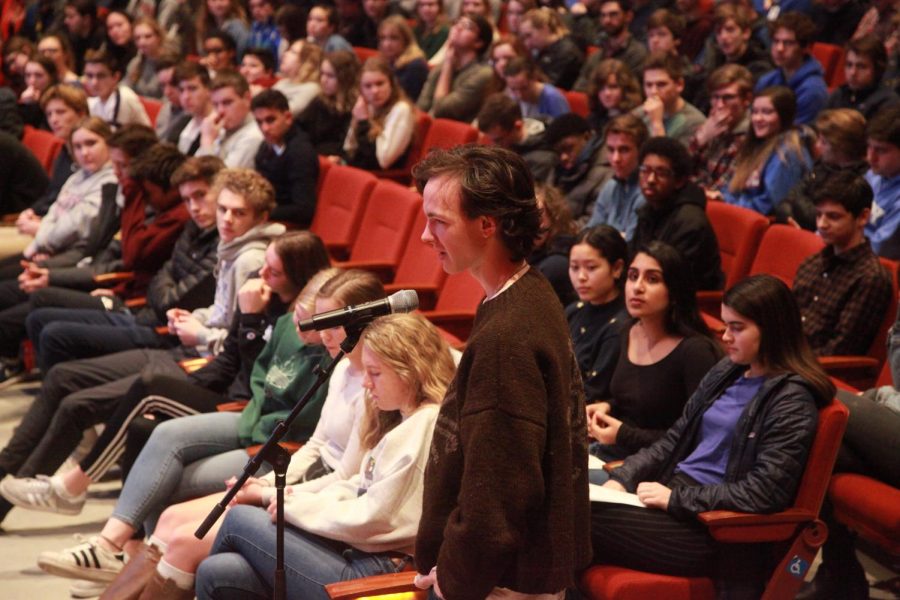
(689, 103)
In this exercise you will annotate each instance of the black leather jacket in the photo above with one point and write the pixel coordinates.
(767, 458)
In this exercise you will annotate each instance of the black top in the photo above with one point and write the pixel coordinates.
(294, 174)
(649, 398)
(595, 330)
(22, 178)
(325, 127)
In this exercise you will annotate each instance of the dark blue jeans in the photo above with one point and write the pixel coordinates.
(242, 560)
(62, 334)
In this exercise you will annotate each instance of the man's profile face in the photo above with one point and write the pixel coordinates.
(836, 225)
(458, 240)
(884, 158)
(657, 179)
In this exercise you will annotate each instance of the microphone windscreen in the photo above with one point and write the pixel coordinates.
(404, 301)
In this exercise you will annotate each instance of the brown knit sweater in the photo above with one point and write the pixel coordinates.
(506, 496)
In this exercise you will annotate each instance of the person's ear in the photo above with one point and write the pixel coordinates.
(488, 226)
(618, 269)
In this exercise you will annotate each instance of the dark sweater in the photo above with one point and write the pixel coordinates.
(294, 174)
(325, 127)
(595, 331)
(505, 500)
(22, 178)
(649, 398)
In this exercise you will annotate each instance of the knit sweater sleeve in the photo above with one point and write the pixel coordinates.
(394, 139)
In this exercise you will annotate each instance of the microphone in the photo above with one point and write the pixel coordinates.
(403, 301)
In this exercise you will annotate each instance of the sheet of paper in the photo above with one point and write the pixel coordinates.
(594, 462)
(598, 493)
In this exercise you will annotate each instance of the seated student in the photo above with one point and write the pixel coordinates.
(229, 131)
(733, 43)
(83, 29)
(351, 19)
(583, 168)
(431, 29)
(187, 279)
(140, 74)
(665, 112)
(665, 30)
(458, 88)
(327, 118)
(375, 11)
(40, 74)
(612, 91)
(194, 455)
(883, 155)
(717, 142)
(367, 519)
(620, 198)
(286, 158)
(675, 211)
(792, 36)
(501, 122)
(864, 68)
(171, 118)
(321, 27)
(665, 349)
(114, 103)
(148, 226)
(842, 291)
(244, 200)
(767, 390)
(550, 254)
(699, 25)
(840, 146)
(502, 50)
(536, 99)
(218, 52)
(119, 42)
(56, 47)
(596, 319)
(263, 30)
(617, 41)
(61, 233)
(773, 157)
(299, 72)
(245, 370)
(398, 46)
(228, 17)
(557, 55)
(257, 65)
(193, 84)
(383, 123)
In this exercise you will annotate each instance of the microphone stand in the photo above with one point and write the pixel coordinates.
(272, 453)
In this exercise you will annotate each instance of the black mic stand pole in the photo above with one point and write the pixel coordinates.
(272, 453)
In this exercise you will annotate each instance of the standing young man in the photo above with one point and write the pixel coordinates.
(506, 482)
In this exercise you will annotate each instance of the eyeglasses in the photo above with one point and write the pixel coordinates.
(725, 98)
(658, 172)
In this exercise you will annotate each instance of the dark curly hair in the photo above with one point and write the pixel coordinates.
(493, 182)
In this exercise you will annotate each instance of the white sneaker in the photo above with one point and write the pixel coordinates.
(87, 589)
(88, 560)
(40, 493)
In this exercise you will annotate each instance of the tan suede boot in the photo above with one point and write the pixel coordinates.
(131, 580)
(164, 589)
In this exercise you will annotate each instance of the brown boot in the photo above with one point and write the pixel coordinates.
(164, 589)
(137, 572)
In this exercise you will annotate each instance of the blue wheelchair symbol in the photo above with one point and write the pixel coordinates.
(798, 567)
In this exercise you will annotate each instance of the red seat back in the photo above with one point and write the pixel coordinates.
(419, 266)
(340, 206)
(782, 249)
(386, 223)
(44, 145)
(446, 133)
(363, 53)
(830, 57)
(739, 232)
(152, 107)
(460, 293)
(578, 102)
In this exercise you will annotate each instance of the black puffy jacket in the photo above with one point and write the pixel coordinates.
(767, 457)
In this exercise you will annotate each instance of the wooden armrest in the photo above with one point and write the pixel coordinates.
(136, 302)
(234, 406)
(613, 464)
(392, 583)
(189, 365)
(291, 447)
(9, 219)
(709, 301)
(385, 271)
(847, 362)
(113, 278)
(738, 527)
(162, 330)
